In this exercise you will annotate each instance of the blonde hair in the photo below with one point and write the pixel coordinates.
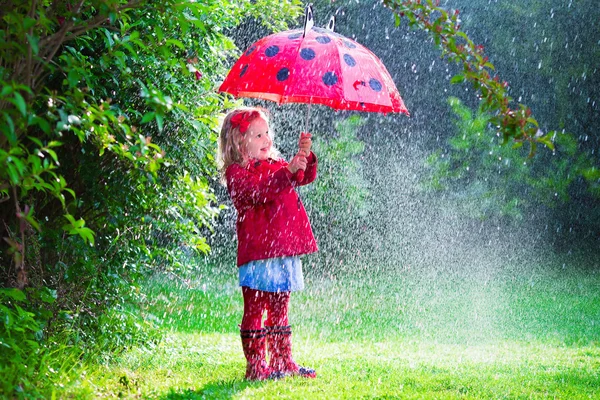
(230, 150)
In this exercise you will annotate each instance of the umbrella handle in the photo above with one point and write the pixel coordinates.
(300, 172)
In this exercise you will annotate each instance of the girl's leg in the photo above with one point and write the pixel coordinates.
(279, 337)
(277, 309)
(255, 304)
(253, 336)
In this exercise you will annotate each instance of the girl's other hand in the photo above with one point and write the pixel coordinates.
(305, 143)
(298, 162)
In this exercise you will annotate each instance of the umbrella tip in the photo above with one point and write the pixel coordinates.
(308, 18)
(331, 23)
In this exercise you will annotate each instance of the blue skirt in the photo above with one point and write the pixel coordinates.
(282, 274)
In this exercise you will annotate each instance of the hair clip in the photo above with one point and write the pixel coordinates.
(242, 120)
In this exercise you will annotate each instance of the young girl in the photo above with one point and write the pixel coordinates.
(272, 230)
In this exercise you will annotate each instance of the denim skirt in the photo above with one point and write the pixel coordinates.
(282, 274)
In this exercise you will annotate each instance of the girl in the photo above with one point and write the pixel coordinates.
(272, 230)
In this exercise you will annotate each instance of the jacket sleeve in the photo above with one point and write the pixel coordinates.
(310, 174)
(247, 188)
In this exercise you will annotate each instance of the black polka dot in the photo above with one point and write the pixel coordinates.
(250, 50)
(294, 36)
(307, 54)
(283, 74)
(350, 61)
(272, 51)
(243, 71)
(323, 39)
(349, 44)
(330, 78)
(375, 85)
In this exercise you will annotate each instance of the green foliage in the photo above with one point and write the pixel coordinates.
(504, 182)
(444, 27)
(20, 332)
(488, 178)
(108, 117)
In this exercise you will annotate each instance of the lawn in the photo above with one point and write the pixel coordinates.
(408, 333)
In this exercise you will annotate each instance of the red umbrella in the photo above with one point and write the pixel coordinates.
(314, 65)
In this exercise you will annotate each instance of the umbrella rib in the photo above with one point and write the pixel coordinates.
(374, 59)
(292, 81)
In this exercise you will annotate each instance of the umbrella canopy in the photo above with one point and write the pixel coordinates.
(315, 66)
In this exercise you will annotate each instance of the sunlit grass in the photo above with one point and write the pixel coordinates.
(388, 335)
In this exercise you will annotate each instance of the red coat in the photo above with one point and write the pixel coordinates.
(271, 219)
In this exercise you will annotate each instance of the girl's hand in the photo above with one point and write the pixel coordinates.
(305, 143)
(298, 162)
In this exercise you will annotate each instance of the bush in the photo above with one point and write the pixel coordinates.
(108, 125)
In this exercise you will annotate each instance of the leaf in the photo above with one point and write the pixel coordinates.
(42, 123)
(48, 295)
(87, 234)
(35, 140)
(546, 140)
(10, 133)
(6, 90)
(33, 222)
(34, 43)
(109, 40)
(159, 33)
(73, 77)
(149, 116)
(13, 174)
(112, 17)
(159, 121)
(28, 23)
(177, 43)
(14, 293)
(54, 143)
(20, 103)
(70, 218)
(52, 154)
(533, 121)
(457, 79)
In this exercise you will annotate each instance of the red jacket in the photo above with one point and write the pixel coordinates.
(271, 219)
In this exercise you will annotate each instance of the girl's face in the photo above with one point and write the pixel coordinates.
(257, 141)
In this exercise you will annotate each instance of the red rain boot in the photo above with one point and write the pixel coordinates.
(253, 343)
(279, 342)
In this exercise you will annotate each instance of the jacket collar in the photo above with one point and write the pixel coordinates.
(259, 164)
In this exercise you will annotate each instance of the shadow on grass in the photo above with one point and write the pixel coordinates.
(224, 389)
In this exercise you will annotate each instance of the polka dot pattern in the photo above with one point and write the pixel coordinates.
(321, 67)
(283, 74)
(307, 54)
(349, 60)
(272, 51)
(323, 39)
(330, 78)
(375, 85)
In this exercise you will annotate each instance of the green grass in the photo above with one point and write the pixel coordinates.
(397, 334)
